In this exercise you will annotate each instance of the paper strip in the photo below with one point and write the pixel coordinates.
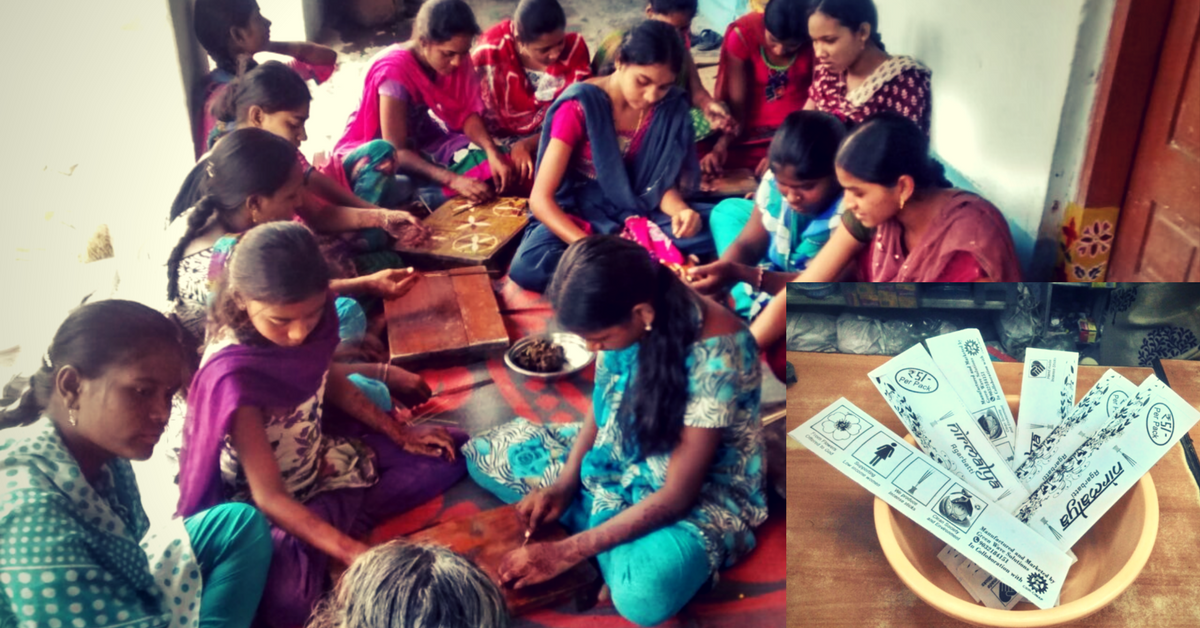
(918, 487)
(1095, 409)
(1047, 396)
(963, 359)
(1109, 463)
(917, 390)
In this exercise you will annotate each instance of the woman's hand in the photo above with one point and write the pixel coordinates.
(391, 283)
(713, 163)
(502, 170)
(411, 389)
(719, 118)
(427, 440)
(534, 563)
(352, 551)
(545, 504)
(686, 223)
(474, 190)
(715, 277)
(522, 160)
(393, 221)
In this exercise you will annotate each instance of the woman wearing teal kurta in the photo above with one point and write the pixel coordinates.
(74, 549)
(664, 485)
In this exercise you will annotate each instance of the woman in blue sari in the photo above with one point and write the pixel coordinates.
(615, 147)
(74, 542)
(664, 484)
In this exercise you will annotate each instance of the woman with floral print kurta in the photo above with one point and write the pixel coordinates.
(74, 548)
(664, 485)
(855, 77)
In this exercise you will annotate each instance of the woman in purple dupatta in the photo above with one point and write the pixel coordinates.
(256, 428)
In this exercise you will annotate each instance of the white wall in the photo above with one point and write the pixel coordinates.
(1009, 112)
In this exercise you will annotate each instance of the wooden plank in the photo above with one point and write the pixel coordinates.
(480, 312)
(425, 321)
(466, 235)
(485, 539)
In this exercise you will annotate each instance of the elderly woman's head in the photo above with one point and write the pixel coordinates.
(412, 585)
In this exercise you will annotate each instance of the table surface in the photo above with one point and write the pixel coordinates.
(837, 574)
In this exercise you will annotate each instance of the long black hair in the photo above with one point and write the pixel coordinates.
(246, 162)
(277, 263)
(787, 20)
(213, 19)
(888, 145)
(93, 338)
(439, 21)
(852, 14)
(807, 143)
(652, 42)
(598, 282)
(535, 18)
(272, 86)
(667, 7)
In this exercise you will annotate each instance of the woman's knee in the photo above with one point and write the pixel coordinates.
(247, 529)
(652, 578)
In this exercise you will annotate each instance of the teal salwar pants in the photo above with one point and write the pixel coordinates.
(232, 542)
(651, 578)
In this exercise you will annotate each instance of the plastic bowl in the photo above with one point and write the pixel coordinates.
(574, 348)
(1111, 555)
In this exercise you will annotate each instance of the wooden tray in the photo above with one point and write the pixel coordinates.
(485, 538)
(449, 316)
(468, 236)
(733, 183)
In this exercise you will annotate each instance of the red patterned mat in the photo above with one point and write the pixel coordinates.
(750, 595)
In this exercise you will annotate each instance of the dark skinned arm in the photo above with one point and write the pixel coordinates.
(419, 439)
(771, 324)
(313, 54)
(249, 439)
(833, 257)
(393, 121)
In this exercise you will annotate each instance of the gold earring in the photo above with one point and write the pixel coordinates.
(902, 202)
(649, 326)
(73, 415)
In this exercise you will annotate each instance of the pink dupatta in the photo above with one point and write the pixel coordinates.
(966, 224)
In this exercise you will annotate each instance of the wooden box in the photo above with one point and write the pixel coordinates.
(448, 316)
(469, 235)
(487, 537)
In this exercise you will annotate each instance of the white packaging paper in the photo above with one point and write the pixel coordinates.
(1109, 463)
(1095, 409)
(963, 359)
(918, 392)
(1047, 396)
(918, 487)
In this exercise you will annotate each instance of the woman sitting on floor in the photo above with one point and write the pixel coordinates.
(101, 399)
(253, 177)
(395, 130)
(855, 77)
(617, 148)
(412, 585)
(357, 234)
(764, 243)
(233, 31)
(765, 71)
(664, 484)
(924, 229)
(256, 425)
(524, 64)
(709, 115)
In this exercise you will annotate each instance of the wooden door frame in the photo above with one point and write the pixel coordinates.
(1123, 91)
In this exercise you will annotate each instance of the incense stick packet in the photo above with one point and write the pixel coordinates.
(963, 359)
(917, 391)
(1047, 396)
(1085, 485)
(917, 486)
(1095, 409)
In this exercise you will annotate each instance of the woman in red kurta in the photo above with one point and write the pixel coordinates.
(765, 72)
(855, 77)
(925, 230)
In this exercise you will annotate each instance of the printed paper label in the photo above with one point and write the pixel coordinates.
(963, 359)
(1047, 396)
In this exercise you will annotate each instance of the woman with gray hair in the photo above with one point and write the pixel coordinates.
(410, 585)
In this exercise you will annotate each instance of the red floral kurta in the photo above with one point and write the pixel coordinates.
(901, 84)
